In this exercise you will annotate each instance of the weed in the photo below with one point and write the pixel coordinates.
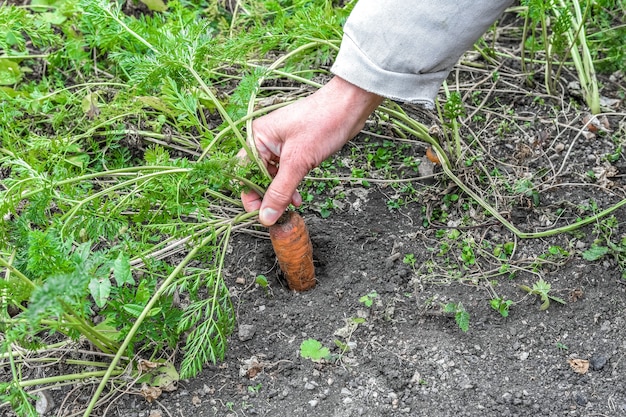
(501, 306)
(409, 259)
(261, 281)
(461, 316)
(254, 389)
(314, 350)
(525, 187)
(542, 289)
(368, 299)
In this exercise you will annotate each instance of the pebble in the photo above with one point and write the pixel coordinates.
(580, 399)
(313, 403)
(598, 361)
(44, 403)
(310, 386)
(246, 332)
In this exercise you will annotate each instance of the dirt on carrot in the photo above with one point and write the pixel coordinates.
(292, 245)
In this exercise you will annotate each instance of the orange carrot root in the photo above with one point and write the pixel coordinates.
(432, 156)
(292, 245)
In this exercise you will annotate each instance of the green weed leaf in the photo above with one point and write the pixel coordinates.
(595, 252)
(155, 5)
(449, 308)
(136, 310)
(462, 319)
(161, 374)
(10, 72)
(313, 349)
(100, 289)
(121, 270)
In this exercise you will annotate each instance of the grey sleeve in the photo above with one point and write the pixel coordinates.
(404, 49)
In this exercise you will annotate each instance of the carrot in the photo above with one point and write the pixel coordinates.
(292, 245)
(432, 156)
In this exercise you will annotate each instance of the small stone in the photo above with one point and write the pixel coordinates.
(346, 392)
(246, 332)
(240, 281)
(523, 356)
(507, 397)
(347, 400)
(313, 403)
(559, 147)
(310, 386)
(44, 403)
(598, 361)
(580, 399)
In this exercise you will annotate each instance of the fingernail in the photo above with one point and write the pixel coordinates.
(268, 216)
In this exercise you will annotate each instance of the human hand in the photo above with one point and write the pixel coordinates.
(297, 138)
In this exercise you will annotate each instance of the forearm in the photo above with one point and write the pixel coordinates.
(404, 49)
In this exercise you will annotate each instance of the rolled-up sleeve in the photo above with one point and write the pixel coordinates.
(404, 49)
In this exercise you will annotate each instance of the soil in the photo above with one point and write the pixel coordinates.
(407, 358)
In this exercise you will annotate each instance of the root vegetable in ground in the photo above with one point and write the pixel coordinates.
(292, 245)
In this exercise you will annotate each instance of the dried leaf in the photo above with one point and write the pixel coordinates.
(609, 103)
(150, 393)
(251, 367)
(594, 123)
(145, 366)
(576, 295)
(580, 366)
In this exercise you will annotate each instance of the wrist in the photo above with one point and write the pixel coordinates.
(352, 105)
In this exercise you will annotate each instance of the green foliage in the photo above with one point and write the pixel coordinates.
(501, 306)
(595, 252)
(409, 259)
(542, 289)
(314, 350)
(526, 188)
(19, 400)
(17, 27)
(558, 29)
(453, 107)
(116, 146)
(368, 299)
(607, 34)
(461, 316)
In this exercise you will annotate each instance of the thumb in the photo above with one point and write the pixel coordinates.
(281, 192)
